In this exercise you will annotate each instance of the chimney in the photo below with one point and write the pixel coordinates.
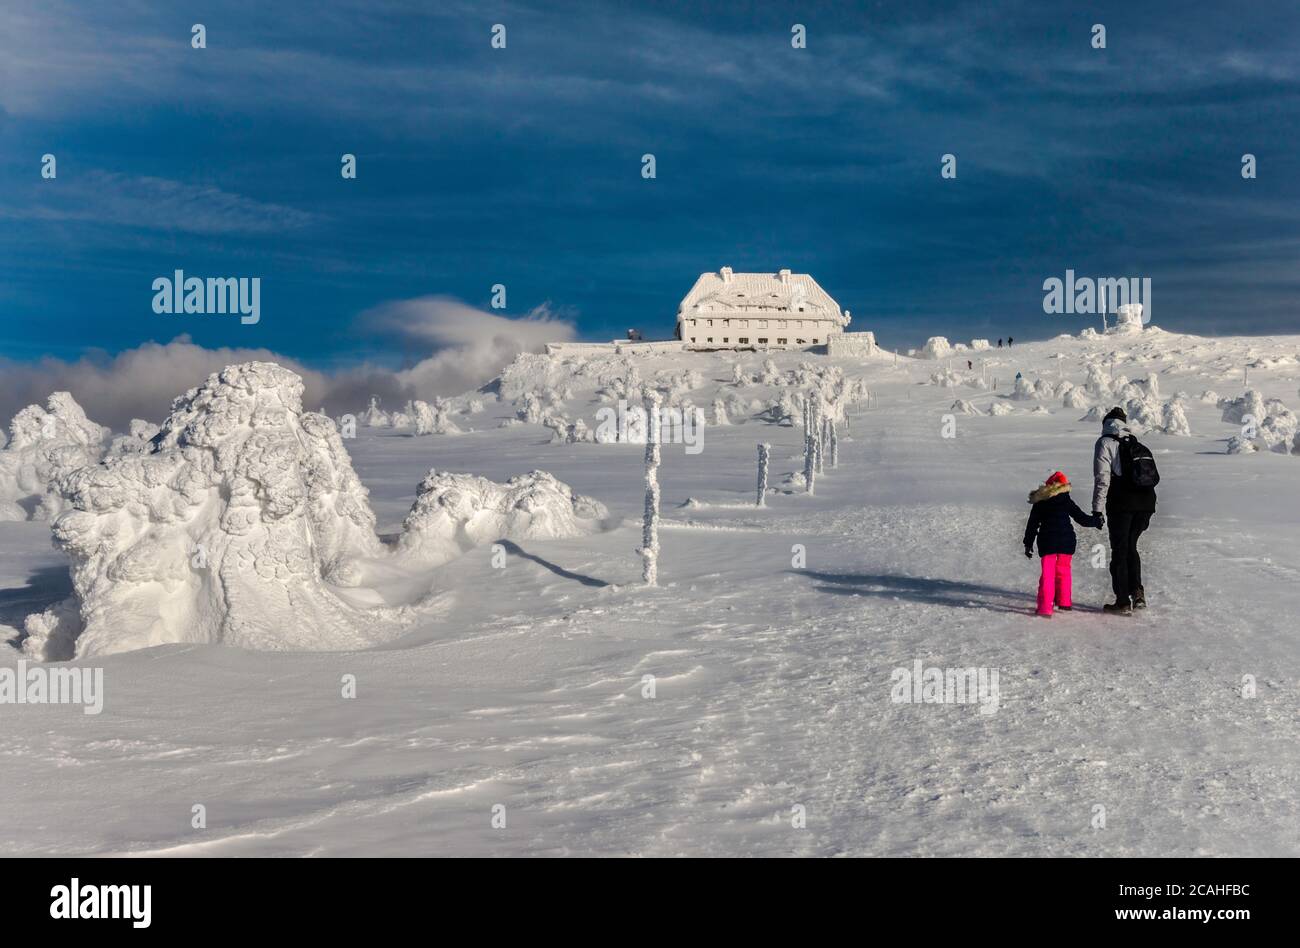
(726, 274)
(784, 275)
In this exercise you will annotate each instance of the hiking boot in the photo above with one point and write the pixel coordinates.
(1140, 599)
(1121, 607)
(1065, 608)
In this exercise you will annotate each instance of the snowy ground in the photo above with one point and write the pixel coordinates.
(772, 682)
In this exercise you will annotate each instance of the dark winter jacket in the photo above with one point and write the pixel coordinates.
(1049, 520)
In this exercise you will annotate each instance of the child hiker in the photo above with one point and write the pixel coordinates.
(1049, 522)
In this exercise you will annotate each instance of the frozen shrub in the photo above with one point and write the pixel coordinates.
(1174, 419)
(1235, 410)
(45, 445)
(455, 512)
(1023, 391)
(374, 416)
(232, 529)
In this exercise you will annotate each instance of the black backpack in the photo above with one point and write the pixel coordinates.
(1137, 466)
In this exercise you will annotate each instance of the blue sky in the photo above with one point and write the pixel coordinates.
(522, 166)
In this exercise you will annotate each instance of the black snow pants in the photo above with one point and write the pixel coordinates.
(1125, 526)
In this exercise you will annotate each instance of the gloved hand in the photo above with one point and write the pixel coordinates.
(1101, 520)
(1029, 552)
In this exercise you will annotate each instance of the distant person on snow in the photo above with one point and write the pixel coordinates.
(1009, 341)
(1049, 521)
(999, 343)
(1124, 485)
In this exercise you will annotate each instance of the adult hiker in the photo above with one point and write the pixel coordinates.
(1124, 479)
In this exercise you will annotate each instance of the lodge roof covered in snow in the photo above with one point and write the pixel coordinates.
(759, 293)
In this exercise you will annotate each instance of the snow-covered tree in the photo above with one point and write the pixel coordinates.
(764, 457)
(374, 416)
(720, 411)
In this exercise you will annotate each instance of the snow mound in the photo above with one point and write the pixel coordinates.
(1075, 397)
(1237, 410)
(45, 444)
(946, 378)
(963, 407)
(936, 347)
(236, 527)
(455, 512)
(1238, 444)
(1001, 408)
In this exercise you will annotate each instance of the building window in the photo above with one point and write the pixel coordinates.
(710, 323)
(782, 342)
(692, 338)
(814, 342)
(743, 340)
(762, 324)
(725, 339)
(762, 342)
(710, 339)
(799, 342)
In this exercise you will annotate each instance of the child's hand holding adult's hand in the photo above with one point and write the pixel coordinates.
(1029, 552)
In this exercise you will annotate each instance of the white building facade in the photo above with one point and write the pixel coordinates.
(782, 310)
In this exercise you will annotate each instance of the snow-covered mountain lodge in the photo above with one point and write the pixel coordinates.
(782, 310)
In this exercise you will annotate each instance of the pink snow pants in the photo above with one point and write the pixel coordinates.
(1054, 584)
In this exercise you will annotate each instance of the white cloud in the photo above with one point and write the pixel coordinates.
(470, 345)
(468, 348)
